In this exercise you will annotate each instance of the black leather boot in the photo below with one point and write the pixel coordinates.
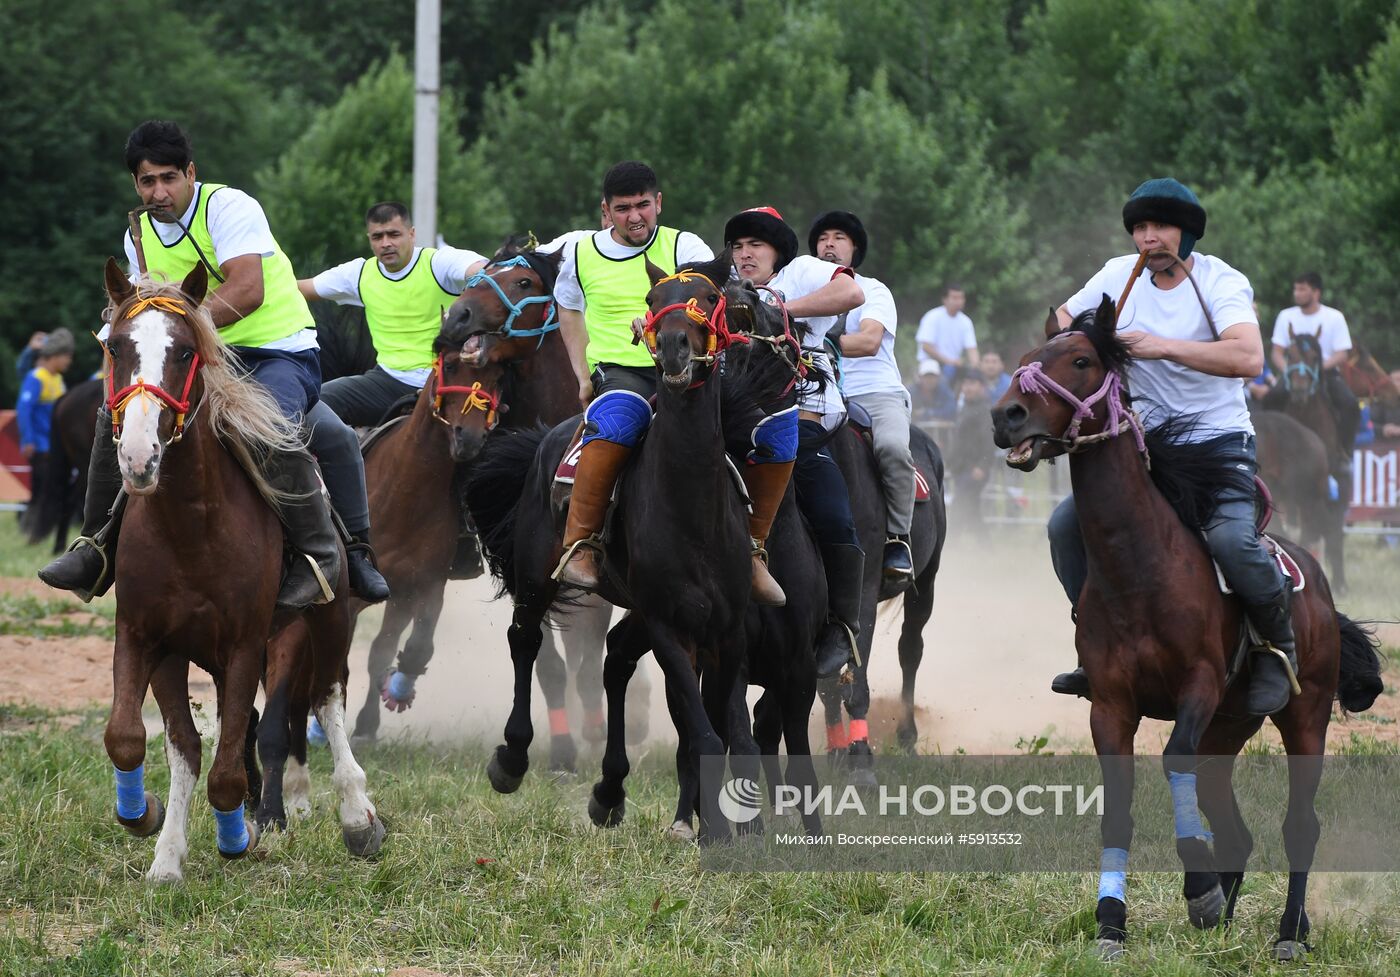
(89, 567)
(1071, 683)
(312, 532)
(366, 581)
(845, 575)
(1271, 681)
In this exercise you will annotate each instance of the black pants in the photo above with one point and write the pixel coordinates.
(362, 401)
(821, 488)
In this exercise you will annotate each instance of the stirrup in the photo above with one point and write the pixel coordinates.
(759, 550)
(1287, 667)
(327, 591)
(86, 596)
(593, 541)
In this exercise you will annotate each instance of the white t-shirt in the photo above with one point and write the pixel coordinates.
(341, 284)
(877, 373)
(1333, 336)
(951, 335)
(567, 291)
(565, 240)
(237, 226)
(798, 279)
(1163, 388)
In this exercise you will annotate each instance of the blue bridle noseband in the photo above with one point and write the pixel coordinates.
(551, 318)
(1303, 369)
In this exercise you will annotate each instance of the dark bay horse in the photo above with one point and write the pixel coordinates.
(1293, 463)
(1155, 636)
(188, 426)
(677, 550)
(61, 497)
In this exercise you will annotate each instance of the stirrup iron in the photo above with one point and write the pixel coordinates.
(592, 541)
(1287, 667)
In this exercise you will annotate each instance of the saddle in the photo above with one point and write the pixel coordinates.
(859, 420)
(396, 414)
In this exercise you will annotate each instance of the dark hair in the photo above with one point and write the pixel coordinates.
(387, 210)
(953, 287)
(628, 179)
(158, 142)
(1309, 278)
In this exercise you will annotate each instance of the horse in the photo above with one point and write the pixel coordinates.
(1293, 462)
(1156, 637)
(196, 499)
(52, 509)
(927, 535)
(677, 550)
(1366, 378)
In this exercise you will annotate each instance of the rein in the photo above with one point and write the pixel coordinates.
(1032, 379)
(478, 397)
(119, 400)
(549, 320)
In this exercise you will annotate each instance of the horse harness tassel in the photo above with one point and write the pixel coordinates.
(478, 397)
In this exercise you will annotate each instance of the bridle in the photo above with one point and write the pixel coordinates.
(1308, 371)
(119, 400)
(1032, 379)
(478, 397)
(549, 319)
(718, 337)
(799, 361)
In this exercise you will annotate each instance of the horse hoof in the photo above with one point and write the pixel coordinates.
(606, 817)
(1110, 950)
(862, 777)
(365, 842)
(680, 831)
(502, 781)
(148, 823)
(252, 827)
(1286, 951)
(1204, 910)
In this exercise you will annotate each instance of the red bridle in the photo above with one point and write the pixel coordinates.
(117, 400)
(718, 336)
(478, 397)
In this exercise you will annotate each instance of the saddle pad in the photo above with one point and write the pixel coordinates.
(568, 465)
(922, 492)
(1291, 570)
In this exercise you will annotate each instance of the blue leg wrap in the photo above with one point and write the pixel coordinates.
(233, 831)
(775, 439)
(619, 416)
(1188, 815)
(401, 685)
(315, 735)
(131, 792)
(1113, 874)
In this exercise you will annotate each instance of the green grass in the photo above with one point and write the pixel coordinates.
(60, 617)
(17, 557)
(475, 883)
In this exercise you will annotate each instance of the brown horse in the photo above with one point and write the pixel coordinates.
(1156, 637)
(181, 595)
(1366, 378)
(1293, 463)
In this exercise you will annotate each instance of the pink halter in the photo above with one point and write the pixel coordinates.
(1032, 379)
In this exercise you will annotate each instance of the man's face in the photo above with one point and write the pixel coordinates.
(974, 389)
(929, 382)
(1305, 295)
(164, 186)
(59, 363)
(1150, 236)
(633, 218)
(392, 243)
(754, 259)
(954, 300)
(836, 246)
(992, 367)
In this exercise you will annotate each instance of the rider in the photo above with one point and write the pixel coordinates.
(263, 317)
(404, 291)
(870, 377)
(1188, 360)
(764, 248)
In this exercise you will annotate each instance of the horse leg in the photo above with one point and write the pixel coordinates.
(273, 733)
(687, 782)
(918, 608)
(859, 755)
(170, 683)
(138, 810)
(418, 649)
(717, 689)
(1304, 740)
(626, 644)
(744, 751)
(554, 683)
(1334, 541)
(768, 734)
(1204, 898)
(1215, 793)
(228, 777)
(1113, 730)
(507, 766)
(296, 782)
(583, 644)
(796, 698)
(398, 613)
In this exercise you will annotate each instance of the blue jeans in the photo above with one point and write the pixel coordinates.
(1231, 535)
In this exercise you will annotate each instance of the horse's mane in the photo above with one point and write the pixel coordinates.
(240, 412)
(525, 246)
(1307, 340)
(1100, 328)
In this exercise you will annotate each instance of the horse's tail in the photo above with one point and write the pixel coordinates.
(1360, 679)
(494, 490)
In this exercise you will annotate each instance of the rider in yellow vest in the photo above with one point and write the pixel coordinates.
(259, 313)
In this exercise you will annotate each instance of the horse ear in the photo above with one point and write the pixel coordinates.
(1106, 315)
(1052, 324)
(196, 283)
(654, 273)
(555, 259)
(119, 287)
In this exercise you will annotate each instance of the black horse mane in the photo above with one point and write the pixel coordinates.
(525, 246)
(1100, 327)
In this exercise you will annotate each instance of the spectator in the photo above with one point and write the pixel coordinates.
(1260, 387)
(1385, 412)
(946, 335)
(973, 453)
(41, 387)
(994, 373)
(933, 400)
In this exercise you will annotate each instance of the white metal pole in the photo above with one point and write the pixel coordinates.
(425, 120)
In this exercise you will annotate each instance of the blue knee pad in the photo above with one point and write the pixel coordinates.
(619, 416)
(775, 439)
(131, 792)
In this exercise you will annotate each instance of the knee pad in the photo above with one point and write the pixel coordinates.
(775, 439)
(619, 416)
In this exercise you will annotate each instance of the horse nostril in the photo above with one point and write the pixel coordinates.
(1014, 414)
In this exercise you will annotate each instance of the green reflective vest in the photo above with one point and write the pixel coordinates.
(283, 311)
(404, 316)
(614, 293)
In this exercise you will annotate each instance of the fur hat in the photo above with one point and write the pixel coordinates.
(57, 343)
(846, 222)
(1167, 201)
(766, 224)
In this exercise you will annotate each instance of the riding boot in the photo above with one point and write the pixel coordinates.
(845, 578)
(600, 461)
(87, 569)
(311, 530)
(1075, 682)
(899, 561)
(366, 582)
(1270, 679)
(766, 484)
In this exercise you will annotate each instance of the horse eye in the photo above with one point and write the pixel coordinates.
(1082, 362)
(714, 299)
(186, 356)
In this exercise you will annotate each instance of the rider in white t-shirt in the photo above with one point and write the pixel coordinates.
(1190, 354)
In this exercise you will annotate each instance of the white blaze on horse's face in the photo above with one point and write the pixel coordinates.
(139, 453)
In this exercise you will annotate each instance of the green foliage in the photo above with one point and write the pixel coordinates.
(360, 151)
